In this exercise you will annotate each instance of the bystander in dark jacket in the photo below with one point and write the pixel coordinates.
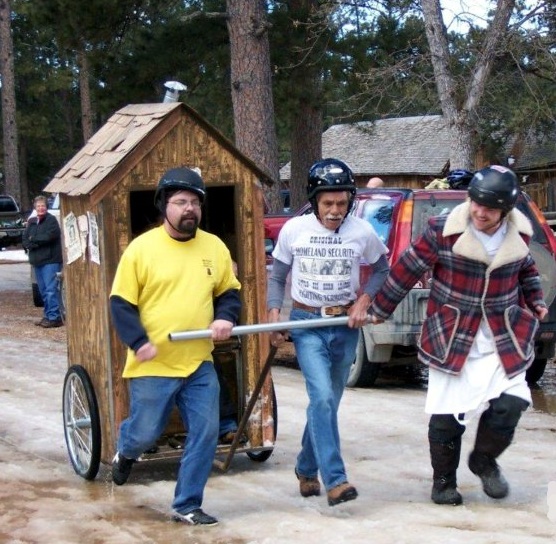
(42, 240)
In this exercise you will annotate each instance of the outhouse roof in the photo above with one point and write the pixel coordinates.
(117, 139)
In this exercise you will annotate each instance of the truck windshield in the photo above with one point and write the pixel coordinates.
(424, 209)
(378, 212)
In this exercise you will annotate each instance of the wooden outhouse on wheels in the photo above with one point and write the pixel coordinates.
(106, 197)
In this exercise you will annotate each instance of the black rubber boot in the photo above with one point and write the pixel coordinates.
(494, 434)
(486, 468)
(482, 461)
(445, 461)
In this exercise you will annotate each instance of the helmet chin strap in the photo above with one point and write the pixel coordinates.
(181, 230)
(338, 229)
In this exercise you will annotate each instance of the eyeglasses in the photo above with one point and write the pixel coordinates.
(185, 203)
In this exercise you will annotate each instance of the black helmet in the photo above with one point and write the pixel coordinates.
(494, 187)
(459, 179)
(330, 175)
(178, 179)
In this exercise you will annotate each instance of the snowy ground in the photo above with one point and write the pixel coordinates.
(384, 444)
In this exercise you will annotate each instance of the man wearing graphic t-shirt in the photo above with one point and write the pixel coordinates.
(323, 251)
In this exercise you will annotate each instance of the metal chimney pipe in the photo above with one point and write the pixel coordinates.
(173, 89)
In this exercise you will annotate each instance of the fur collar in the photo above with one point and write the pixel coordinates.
(513, 247)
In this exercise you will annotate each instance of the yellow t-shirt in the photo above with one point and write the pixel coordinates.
(173, 284)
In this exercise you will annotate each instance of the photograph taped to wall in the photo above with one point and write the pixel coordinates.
(83, 223)
(94, 252)
(72, 240)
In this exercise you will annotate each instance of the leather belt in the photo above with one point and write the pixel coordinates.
(324, 311)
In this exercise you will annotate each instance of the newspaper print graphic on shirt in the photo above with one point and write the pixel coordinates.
(325, 270)
(325, 264)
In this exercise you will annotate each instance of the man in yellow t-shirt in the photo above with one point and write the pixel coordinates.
(174, 277)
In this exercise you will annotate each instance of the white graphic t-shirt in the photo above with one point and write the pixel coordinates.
(325, 265)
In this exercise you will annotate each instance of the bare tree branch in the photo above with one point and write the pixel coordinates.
(206, 14)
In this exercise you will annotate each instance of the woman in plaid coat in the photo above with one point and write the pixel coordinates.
(478, 337)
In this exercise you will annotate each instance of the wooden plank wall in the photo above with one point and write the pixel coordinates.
(539, 194)
(86, 321)
(186, 144)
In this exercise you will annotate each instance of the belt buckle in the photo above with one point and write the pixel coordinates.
(333, 311)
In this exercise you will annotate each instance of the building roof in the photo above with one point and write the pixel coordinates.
(533, 151)
(412, 146)
(398, 146)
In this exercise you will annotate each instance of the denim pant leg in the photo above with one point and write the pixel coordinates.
(47, 282)
(324, 356)
(197, 401)
(40, 285)
(228, 409)
(151, 402)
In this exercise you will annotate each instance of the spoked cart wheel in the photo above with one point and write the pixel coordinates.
(81, 422)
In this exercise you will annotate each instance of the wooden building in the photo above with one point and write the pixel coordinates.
(413, 151)
(402, 151)
(109, 184)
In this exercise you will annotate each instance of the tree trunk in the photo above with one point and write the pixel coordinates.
(26, 202)
(67, 116)
(252, 100)
(9, 123)
(306, 141)
(85, 92)
(460, 117)
(306, 148)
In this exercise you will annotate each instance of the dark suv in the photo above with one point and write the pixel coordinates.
(11, 222)
(399, 216)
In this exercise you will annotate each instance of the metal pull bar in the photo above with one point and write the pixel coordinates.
(264, 327)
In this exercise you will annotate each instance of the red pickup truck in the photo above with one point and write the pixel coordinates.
(274, 222)
(399, 216)
(272, 225)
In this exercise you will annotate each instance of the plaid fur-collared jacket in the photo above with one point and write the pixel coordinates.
(467, 286)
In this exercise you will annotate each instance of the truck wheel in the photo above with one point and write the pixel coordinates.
(535, 371)
(362, 373)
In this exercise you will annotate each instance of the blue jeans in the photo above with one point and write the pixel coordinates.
(325, 355)
(228, 409)
(151, 402)
(47, 283)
